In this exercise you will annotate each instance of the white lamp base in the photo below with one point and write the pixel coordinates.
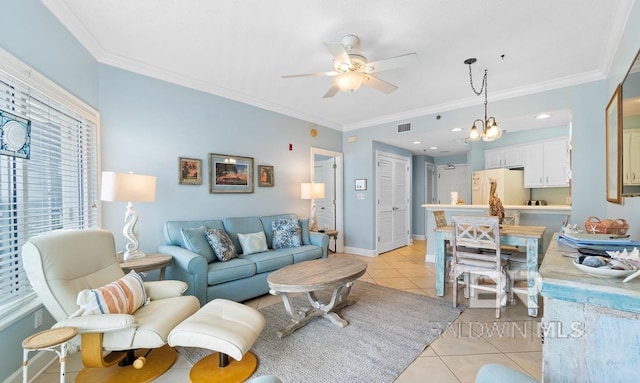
(128, 255)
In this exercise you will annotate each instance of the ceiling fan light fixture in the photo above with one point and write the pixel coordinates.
(350, 81)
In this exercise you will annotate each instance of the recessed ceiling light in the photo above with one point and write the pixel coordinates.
(433, 148)
(543, 115)
(417, 142)
(456, 129)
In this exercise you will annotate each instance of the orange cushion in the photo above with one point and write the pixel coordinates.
(123, 296)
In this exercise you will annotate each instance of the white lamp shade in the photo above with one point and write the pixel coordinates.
(349, 81)
(311, 190)
(128, 187)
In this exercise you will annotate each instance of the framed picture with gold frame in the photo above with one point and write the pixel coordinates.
(265, 176)
(190, 171)
(613, 117)
(230, 174)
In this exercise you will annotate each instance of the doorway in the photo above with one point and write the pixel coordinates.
(454, 178)
(326, 167)
(393, 216)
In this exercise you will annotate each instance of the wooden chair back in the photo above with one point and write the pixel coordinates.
(476, 232)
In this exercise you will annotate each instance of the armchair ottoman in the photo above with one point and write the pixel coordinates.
(228, 327)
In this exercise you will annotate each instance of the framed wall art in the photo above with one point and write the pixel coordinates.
(613, 116)
(190, 171)
(15, 135)
(265, 176)
(230, 174)
(361, 184)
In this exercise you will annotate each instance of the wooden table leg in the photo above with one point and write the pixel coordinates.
(302, 316)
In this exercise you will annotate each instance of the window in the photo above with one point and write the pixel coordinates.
(56, 188)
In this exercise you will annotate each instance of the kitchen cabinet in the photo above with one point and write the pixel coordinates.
(546, 164)
(509, 157)
(631, 158)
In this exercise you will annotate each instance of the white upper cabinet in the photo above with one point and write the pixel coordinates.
(546, 164)
(510, 157)
(631, 158)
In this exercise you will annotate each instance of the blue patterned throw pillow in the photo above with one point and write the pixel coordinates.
(221, 244)
(253, 243)
(286, 233)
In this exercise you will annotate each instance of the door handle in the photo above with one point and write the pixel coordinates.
(395, 208)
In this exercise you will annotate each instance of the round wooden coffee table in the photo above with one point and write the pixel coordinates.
(336, 273)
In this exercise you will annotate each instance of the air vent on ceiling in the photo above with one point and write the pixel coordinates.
(404, 128)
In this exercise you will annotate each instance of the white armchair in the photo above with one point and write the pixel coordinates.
(62, 263)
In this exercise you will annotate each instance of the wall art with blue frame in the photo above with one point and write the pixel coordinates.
(15, 135)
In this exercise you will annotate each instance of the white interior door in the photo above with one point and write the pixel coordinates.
(330, 171)
(324, 172)
(393, 201)
(456, 179)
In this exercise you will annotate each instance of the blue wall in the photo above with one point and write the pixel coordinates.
(147, 124)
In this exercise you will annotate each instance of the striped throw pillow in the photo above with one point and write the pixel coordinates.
(123, 296)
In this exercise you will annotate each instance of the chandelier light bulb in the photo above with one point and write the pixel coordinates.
(474, 134)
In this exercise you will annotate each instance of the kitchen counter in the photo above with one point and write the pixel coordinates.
(590, 324)
(550, 216)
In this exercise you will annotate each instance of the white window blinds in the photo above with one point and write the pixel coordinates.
(57, 188)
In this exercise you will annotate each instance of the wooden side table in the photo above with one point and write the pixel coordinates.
(333, 234)
(48, 340)
(147, 263)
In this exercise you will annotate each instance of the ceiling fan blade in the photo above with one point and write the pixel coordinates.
(338, 52)
(332, 91)
(377, 84)
(393, 63)
(328, 74)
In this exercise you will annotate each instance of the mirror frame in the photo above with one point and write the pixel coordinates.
(634, 64)
(613, 117)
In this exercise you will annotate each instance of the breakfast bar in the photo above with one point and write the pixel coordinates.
(590, 324)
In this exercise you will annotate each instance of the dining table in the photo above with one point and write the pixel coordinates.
(511, 235)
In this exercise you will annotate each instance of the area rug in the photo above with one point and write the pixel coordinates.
(387, 331)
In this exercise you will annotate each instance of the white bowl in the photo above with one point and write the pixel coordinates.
(603, 272)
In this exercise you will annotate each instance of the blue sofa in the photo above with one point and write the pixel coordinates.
(240, 278)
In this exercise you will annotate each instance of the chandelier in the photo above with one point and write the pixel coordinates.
(490, 130)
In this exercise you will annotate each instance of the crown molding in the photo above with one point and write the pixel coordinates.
(502, 95)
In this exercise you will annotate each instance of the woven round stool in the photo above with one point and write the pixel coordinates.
(48, 340)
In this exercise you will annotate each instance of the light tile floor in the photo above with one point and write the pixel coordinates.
(474, 339)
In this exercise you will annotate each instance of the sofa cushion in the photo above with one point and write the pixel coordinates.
(221, 244)
(270, 260)
(236, 268)
(123, 296)
(172, 230)
(253, 242)
(286, 233)
(304, 230)
(195, 239)
(305, 253)
(235, 225)
(267, 221)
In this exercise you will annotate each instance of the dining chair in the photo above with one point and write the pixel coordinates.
(478, 232)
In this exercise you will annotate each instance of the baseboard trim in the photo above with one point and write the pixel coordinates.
(431, 258)
(358, 251)
(38, 363)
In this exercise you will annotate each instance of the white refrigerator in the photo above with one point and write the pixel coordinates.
(510, 186)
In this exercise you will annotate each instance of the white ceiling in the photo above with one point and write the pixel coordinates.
(240, 49)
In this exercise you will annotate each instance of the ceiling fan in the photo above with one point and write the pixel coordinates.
(351, 68)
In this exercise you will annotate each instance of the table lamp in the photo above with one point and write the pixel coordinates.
(312, 191)
(130, 188)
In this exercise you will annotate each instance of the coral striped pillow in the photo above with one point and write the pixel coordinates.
(123, 296)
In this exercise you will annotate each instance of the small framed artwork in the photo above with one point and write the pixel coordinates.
(265, 176)
(361, 184)
(230, 174)
(190, 170)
